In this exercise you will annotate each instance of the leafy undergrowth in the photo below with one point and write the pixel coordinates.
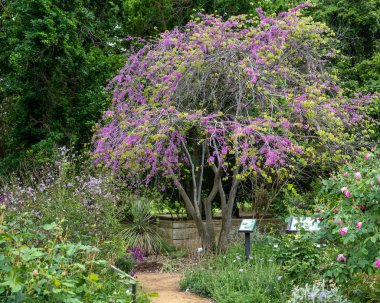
(230, 278)
(38, 264)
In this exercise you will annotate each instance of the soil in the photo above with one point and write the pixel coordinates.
(159, 276)
(166, 285)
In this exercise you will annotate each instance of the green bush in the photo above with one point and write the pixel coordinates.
(88, 204)
(299, 256)
(350, 223)
(38, 264)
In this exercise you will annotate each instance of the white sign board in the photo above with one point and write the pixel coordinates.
(306, 223)
(247, 225)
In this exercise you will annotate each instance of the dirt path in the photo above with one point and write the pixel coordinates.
(167, 287)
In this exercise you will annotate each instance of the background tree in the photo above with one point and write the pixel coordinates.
(357, 25)
(231, 98)
(56, 57)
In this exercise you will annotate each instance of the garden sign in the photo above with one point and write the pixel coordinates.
(247, 226)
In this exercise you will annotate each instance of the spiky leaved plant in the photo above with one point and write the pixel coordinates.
(141, 232)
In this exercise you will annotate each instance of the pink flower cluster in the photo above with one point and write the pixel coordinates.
(343, 231)
(341, 258)
(346, 192)
(377, 263)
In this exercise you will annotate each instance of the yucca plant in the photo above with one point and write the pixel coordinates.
(141, 232)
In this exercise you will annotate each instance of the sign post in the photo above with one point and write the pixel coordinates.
(306, 223)
(247, 226)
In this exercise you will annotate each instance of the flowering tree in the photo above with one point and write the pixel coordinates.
(235, 98)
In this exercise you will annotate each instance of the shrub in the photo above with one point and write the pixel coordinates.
(141, 232)
(350, 223)
(88, 204)
(299, 256)
(132, 259)
(38, 264)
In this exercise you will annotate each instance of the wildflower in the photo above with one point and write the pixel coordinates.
(241, 270)
(358, 175)
(35, 272)
(367, 156)
(346, 174)
(322, 294)
(361, 207)
(347, 194)
(279, 278)
(200, 249)
(312, 296)
(275, 245)
(341, 258)
(238, 257)
(343, 189)
(335, 210)
(377, 263)
(343, 231)
(359, 225)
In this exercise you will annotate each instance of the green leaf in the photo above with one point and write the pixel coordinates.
(49, 226)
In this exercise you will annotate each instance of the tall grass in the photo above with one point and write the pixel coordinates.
(232, 279)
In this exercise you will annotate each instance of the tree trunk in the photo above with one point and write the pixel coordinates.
(227, 217)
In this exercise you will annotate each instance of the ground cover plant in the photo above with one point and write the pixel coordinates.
(229, 278)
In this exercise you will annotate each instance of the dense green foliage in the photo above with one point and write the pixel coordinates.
(38, 264)
(357, 26)
(349, 214)
(57, 57)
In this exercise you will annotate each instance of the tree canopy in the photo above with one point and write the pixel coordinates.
(235, 97)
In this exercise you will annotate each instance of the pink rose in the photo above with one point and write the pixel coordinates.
(367, 156)
(358, 175)
(347, 194)
(343, 189)
(359, 225)
(343, 231)
(339, 222)
(377, 263)
(341, 258)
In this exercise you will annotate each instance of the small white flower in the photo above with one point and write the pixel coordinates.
(241, 270)
(275, 246)
(200, 249)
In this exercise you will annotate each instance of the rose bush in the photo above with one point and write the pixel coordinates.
(350, 221)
